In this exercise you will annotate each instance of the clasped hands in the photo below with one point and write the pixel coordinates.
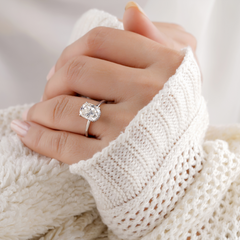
(127, 68)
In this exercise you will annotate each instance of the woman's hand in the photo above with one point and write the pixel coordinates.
(122, 67)
(170, 35)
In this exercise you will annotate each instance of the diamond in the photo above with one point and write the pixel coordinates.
(90, 112)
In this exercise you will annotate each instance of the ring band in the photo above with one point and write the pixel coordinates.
(90, 112)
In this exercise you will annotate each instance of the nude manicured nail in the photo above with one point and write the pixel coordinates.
(24, 115)
(134, 4)
(20, 127)
(50, 74)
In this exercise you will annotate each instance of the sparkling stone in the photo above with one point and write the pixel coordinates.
(90, 112)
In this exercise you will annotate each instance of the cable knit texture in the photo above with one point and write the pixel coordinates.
(162, 178)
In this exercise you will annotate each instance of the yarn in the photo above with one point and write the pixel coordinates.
(165, 177)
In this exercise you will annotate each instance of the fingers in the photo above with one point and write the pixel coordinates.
(64, 146)
(92, 77)
(62, 113)
(135, 20)
(102, 42)
(113, 45)
(168, 34)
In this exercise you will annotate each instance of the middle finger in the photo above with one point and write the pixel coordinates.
(95, 78)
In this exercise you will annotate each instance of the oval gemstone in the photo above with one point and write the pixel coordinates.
(90, 112)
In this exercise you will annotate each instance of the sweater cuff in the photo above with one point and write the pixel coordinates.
(154, 160)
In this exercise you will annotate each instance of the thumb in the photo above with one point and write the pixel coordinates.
(135, 20)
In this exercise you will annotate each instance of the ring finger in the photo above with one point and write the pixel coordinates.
(62, 113)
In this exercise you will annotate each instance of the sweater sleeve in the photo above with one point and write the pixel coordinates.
(139, 178)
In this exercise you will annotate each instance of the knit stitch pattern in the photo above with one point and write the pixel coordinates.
(138, 179)
(162, 178)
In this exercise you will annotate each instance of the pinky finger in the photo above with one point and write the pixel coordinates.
(64, 146)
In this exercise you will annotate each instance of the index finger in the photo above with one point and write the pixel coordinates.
(114, 45)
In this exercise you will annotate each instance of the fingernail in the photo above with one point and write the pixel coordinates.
(50, 74)
(134, 4)
(24, 115)
(20, 127)
(41, 99)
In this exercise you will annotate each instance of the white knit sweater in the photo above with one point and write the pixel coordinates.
(160, 179)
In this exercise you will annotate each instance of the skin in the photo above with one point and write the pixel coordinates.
(126, 68)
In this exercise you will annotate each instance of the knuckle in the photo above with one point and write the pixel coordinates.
(59, 109)
(58, 143)
(96, 37)
(75, 69)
